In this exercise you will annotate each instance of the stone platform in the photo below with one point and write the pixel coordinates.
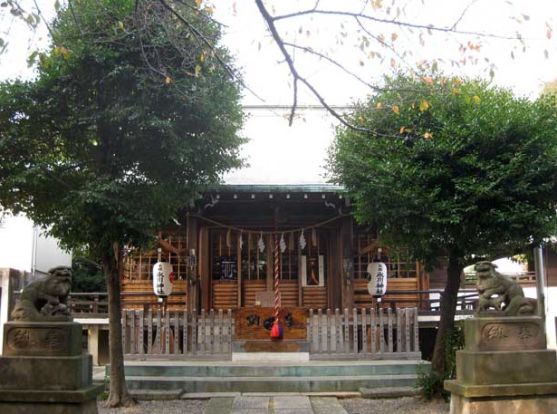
(504, 367)
(43, 370)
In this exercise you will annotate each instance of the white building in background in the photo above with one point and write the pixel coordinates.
(25, 247)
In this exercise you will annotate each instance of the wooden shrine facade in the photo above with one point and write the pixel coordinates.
(221, 252)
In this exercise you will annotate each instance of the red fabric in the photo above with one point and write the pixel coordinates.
(276, 330)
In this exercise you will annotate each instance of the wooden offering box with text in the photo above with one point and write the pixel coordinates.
(256, 322)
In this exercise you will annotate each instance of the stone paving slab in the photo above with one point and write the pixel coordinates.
(291, 405)
(327, 405)
(295, 404)
(250, 405)
(219, 405)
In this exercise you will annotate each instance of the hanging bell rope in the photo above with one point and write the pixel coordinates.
(276, 330)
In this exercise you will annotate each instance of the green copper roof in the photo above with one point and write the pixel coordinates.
(278, 188)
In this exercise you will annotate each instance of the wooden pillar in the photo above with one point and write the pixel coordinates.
(204, 296)
(269, 246)
(239, 269)
(347, 252)
(192, 286)
(335, 271)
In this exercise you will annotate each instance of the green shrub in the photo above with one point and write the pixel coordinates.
(431, 383)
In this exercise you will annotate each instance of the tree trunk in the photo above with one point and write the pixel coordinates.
(448, 309)
(119, 395)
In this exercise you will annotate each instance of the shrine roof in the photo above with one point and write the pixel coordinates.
(277, 188)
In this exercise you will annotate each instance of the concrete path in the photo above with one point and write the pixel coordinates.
(274, 405)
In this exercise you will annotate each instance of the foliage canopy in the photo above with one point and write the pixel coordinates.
(457, 166)
(128, 117)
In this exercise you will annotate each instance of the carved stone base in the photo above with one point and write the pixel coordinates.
(45, 373)
(82, 401)
(42, 339)
(539, 398)
(504, 368)
(43, 370)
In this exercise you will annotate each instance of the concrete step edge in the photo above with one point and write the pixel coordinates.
(273, 379)
(389, 392)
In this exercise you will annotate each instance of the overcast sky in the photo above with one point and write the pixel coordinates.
(281, 154)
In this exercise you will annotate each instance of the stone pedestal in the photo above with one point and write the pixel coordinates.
(504, 367)
(43, 370)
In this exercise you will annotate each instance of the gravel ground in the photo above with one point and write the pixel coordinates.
(404, 405)
(156, 407)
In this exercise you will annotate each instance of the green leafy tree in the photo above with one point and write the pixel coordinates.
(129, 117)
(455, 169)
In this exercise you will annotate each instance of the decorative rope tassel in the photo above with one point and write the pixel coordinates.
(276, 331)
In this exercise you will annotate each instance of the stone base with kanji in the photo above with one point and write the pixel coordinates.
(43, 370)
(505, 366)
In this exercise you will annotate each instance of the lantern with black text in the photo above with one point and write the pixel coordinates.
(377, 279)
(163, 278)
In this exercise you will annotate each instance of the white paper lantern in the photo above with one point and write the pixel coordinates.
(163, 278)
(377, 279)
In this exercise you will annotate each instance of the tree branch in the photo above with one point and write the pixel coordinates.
(297, 77)
(231, 72)
(333, 62)
(393, 22)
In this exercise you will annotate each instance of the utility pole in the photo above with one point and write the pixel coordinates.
(539, 267)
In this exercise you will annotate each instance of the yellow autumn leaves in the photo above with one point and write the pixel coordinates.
(423, 106)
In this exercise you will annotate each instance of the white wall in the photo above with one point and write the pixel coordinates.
(16, 242)
(4, 289)
(48, 253)
(24, 247)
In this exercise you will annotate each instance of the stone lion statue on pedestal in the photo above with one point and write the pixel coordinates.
(501, 294)
(46, 300)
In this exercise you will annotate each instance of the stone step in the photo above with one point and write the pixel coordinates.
(272, 369)
(300, 384)
(389, 392)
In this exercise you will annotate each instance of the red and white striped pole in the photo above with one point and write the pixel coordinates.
(277, 277)
(276, 331)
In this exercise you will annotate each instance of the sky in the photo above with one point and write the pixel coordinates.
(282, 154)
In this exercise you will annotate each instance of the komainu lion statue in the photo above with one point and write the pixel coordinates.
(46, 300)
(499, 293)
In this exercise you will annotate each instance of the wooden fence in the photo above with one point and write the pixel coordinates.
(177, 334)
(364, 333)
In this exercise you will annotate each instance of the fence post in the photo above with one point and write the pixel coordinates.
(346, 331)
(140, 338)
(166, 331)
(150, 331)
(219, 333)
(399, 328)
(132, 332)
(185, 333)
(364, 330)
(319, 330)
(355, 330)
(230, 327)
(176, 333)
(211, 332)
(329, 326)
(311, 332)
(390, 329)
(373, 330)
(416, 331)
(194, 343)
(381, 332)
